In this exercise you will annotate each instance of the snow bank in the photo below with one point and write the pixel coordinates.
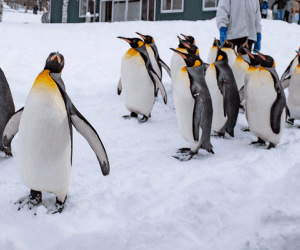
(241, 198)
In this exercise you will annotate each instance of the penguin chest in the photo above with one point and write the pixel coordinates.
(184, 106)
(219, 119)
(45, 141)
(137, 85)
(260, 95)
(177, 63)
(212, 55)
(239, 70)
(231, 56)
(294, 94)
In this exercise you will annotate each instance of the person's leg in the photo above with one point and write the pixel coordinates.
(250, 44)
(238, 42)
(281, 14)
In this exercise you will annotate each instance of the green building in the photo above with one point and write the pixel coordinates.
(132, 10)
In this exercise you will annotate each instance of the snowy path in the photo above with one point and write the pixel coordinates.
(241, 198)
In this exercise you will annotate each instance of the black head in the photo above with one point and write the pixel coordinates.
(147, 39)
(134, 42)
(190, 60)
(254, 59)
(241, 50)
(190, 39)
(266, 61)
(227, 44)
(191, 48)
(181, 43)
(217, 43)
(221, 55)
(55, 62)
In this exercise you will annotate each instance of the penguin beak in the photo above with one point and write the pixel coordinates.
(249, 54)
(183, 55)
(185, 43)
(260, 55)
(125, 39)
(142, 36)
(179, 39)
(58, 57)
(184, 36)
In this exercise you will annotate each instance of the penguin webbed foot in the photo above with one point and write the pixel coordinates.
(290, 121)
(186, 156)
(8, 152)
(144, 119)
(259, 142)
(58, 207)
(246, 129)
(183, 150)
(219, 134)
(132, 115)
(271, 145)
(32, 200)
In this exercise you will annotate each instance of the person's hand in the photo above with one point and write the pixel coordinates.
(223, 33)
(257, 44)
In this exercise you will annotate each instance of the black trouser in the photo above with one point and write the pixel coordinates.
(286, 16)
(263, 16)
(240, 41)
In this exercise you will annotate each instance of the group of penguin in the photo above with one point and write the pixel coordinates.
(45, 135)
(209, 95)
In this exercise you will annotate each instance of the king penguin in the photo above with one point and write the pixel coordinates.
(150, 41)
(266, 109)
(193, 106)
(7, 109)
(189, 39)
(286, 76)
(294, 93)
(224, 94)
(139, 80)
(45, 137)
(212, 54)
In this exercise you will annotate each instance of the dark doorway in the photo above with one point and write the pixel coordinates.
(108, 11)
(148, 10)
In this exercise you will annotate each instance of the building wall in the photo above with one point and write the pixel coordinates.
(56, 11)
(192, 11)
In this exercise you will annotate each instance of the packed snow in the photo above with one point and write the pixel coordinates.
(241, 198)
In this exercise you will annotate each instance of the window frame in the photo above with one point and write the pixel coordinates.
(209, 8)
(87, 2)
(171, 10)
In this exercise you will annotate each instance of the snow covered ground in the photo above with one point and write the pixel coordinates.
(241, 198)
(17, 16)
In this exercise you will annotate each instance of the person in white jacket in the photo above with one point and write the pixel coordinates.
(240, 21)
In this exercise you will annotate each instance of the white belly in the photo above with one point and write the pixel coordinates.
(212, 55)
(231, 56)
(239, 70)
(45, 144)
(294, 94)
(177, 63)
(138, 88)
(219, 119)
(260, 95)
(184, 106)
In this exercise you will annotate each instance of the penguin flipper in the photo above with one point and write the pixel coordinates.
(57, 78)
(160, 86)
(287, 71)
(276, 112)
(11, 128)
(165, 66)
(242, 94)
(286, 82)
(87, 131)
(120, 87)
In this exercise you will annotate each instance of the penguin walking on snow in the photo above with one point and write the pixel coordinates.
(224, 93)
(286, 76)
(45, 137)
(266, 109)
(294, 93)
(7, 109)
(139, 80)
(193, 106)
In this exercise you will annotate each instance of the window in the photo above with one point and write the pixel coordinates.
(172, 6)
(209, 5)
(86, 6)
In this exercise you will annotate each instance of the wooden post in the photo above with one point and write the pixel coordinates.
(126, 10)
(94, 10)
(65, 11)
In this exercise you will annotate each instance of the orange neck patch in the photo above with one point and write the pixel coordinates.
(130, 53)
(45, 81)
